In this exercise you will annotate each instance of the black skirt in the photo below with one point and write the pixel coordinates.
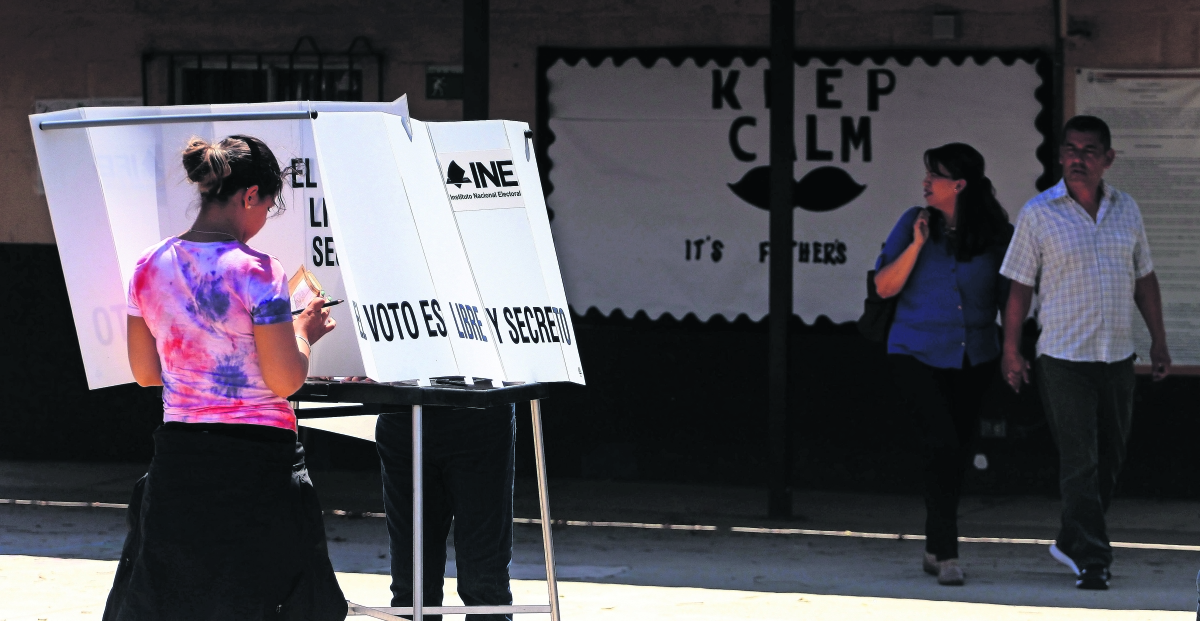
(225, 526)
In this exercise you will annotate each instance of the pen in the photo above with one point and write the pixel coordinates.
(327, 305)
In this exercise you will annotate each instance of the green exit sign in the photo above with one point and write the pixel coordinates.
(443, 82)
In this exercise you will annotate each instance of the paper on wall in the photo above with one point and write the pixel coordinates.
(1153, 115)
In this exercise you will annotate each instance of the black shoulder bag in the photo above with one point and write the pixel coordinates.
(876, 319)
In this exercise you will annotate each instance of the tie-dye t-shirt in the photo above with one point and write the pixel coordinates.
(201, 302)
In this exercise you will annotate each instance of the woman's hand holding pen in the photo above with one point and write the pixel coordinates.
(314, 321)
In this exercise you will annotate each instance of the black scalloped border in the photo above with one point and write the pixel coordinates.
(1042, 61)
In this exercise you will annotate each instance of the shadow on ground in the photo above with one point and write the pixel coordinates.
(638, 552)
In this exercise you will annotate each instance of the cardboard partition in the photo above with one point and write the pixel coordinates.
(87, 248)
(472, 282)
(115, 191)
(490, 174)
(435, 233)
(402, 325)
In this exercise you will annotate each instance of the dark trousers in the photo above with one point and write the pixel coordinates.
(468, 482)
(225, 527)
(947, 406)
(1089, 406)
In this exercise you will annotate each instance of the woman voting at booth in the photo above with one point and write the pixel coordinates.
(225, 525)
(942, 265)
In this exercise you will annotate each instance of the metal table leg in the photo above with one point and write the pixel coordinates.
(539, 449)
(418, 608)
(418, 515)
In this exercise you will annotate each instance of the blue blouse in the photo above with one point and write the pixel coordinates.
(947, 309)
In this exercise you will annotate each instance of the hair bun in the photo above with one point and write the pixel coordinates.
(234, 164)
(207, 165)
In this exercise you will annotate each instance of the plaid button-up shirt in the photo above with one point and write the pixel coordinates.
(1083, 270)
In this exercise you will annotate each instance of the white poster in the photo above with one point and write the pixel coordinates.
(1155, 121)
(660, 173)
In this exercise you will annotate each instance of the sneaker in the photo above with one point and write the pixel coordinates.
(930, 565)
(1062, 557)
(1094, 578)
(950, 574)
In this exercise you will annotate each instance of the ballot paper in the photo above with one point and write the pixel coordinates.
(303, 288)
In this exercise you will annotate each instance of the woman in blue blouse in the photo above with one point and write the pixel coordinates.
(942, 262)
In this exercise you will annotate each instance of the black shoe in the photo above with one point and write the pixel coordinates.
(1094, 578)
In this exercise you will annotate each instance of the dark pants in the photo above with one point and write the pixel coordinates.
(1089, 406)
(947, 405)
(468, 482)
(225, 527)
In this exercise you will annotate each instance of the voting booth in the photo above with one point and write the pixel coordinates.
(435, 234)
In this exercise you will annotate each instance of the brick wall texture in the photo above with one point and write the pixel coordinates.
(93, 48)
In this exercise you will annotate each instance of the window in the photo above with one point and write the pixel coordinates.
(306, 73)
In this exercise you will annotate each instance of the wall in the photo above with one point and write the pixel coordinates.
(662, 423)
(1147, 34)
(68, 50)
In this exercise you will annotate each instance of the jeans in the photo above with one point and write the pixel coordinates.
(1089, 406)
(468, 482)
(947, 405)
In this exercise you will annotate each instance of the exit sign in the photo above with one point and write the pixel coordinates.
(443, 82)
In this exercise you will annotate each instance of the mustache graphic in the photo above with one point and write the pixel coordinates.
(821, 189)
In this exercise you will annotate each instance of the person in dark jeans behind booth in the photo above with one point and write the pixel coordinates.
(468, 467)
(1083, 246)
(943, 263)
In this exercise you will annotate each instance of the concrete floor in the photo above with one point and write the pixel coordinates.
(56, 562)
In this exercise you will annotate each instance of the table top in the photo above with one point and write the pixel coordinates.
(453, 392)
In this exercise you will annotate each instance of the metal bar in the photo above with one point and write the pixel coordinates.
(376, 613)
(406, 395)
(418, 514)
(303, 413)
(321, 75)
(1058, 76)
(783, 43)
(393, 613)
(539, 448)
(145, 89)
(476, 63)
(180, 118)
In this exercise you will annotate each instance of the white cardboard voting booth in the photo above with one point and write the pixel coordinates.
(436, 234)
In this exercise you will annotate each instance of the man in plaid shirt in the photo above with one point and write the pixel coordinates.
(1082, 246)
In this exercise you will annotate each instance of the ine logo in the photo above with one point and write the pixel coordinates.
(499, 173)
(455, 176)
(483, 179)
